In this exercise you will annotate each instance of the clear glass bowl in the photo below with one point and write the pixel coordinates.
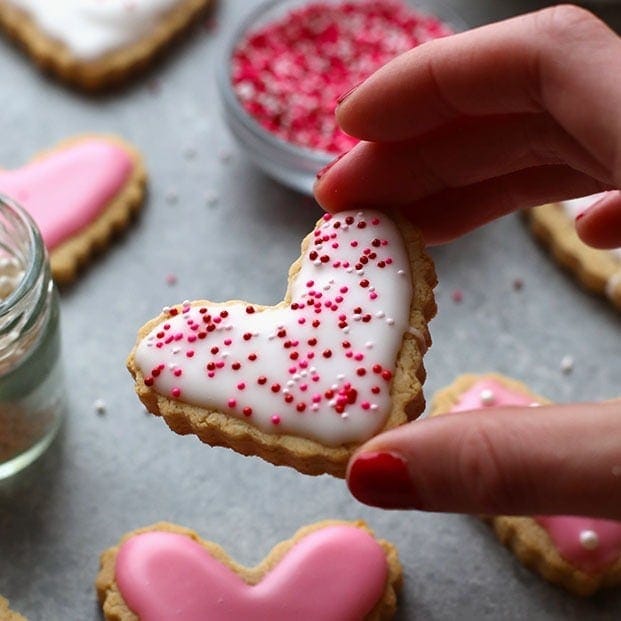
(293, 165)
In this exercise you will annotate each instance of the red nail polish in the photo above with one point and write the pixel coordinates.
(326, 168)
(382, 480)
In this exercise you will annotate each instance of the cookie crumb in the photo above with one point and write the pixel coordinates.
(518, 284)
(457, 296)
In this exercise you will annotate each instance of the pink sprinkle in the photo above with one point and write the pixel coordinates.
(276, 419)
(365, 405)
(232, 403)
(241, 386)
(457, 296)
(176, 392)
(290, 73)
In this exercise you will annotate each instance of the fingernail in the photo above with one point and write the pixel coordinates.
(341, 98)
(599, 199)
(382, 480)
(329, 165)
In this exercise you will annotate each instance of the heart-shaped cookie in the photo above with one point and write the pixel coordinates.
(333, 571)
(306, 381)
(597, 270)
(95, 44)
(6, 614)
(79, 194)
(581, 554)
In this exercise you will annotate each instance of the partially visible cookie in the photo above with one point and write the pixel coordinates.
(330, 570)
(305, 382)
(598, 270)
(95, 44)
(582, 554)
(6, 614)
(79, 194)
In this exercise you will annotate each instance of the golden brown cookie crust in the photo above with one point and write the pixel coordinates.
(109, 70)
(68, 257)
(596, 270)
(115, 609)
(6, 614)
(528, 540)
(308, 456)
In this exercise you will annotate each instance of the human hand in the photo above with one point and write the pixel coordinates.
(458, 132)
(462, 130)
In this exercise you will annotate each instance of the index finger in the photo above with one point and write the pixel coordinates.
(549, 60)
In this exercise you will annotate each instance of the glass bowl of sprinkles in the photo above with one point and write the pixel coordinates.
(288, 62)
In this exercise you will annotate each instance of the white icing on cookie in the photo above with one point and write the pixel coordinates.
(92, 28)
(319, 368)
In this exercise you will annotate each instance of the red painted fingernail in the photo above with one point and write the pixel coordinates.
(329, 165)
(382, 480)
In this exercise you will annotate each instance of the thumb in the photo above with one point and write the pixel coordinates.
(556, 459)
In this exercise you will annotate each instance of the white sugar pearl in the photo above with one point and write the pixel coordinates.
(487, 397)
(589, 539)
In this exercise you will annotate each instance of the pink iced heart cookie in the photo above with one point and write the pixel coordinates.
(79, 194)
(166, 571)
(304, 382)
(94, 44)
(597, 270)
(581, 554)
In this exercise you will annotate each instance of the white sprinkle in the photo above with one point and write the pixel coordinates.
(534, 404)
(360, 272)
(589, 539)
(567, 364)
(374, 406)
(401, 272)
(380, 314)
(225, 354)
(332, 403)
(369, 344)
(340, 377)
(304, 373)
(346, 330)
(100, 406)
(296, 377)
(356, 317)
(390, 321)
(350, 270)
(211, 198)
(172, 197)
(290, 383)
(315, 407)
(344, 415)
(487, 397)
(176, 350)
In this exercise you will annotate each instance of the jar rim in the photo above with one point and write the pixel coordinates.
(36, 253)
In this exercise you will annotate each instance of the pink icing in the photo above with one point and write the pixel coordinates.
(67, 189)
(337, 573)
(591, 545)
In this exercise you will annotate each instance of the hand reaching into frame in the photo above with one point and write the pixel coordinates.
(455, 133)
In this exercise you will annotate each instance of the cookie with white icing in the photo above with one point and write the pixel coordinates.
(6, 614)
(582, 554)
(305, 382)
(94, 44)
(331, 570)
(79, 193)
(597, 270)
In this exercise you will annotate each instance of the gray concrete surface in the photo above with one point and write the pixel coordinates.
(112, 472)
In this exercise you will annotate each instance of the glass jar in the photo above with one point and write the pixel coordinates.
(32, 395)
